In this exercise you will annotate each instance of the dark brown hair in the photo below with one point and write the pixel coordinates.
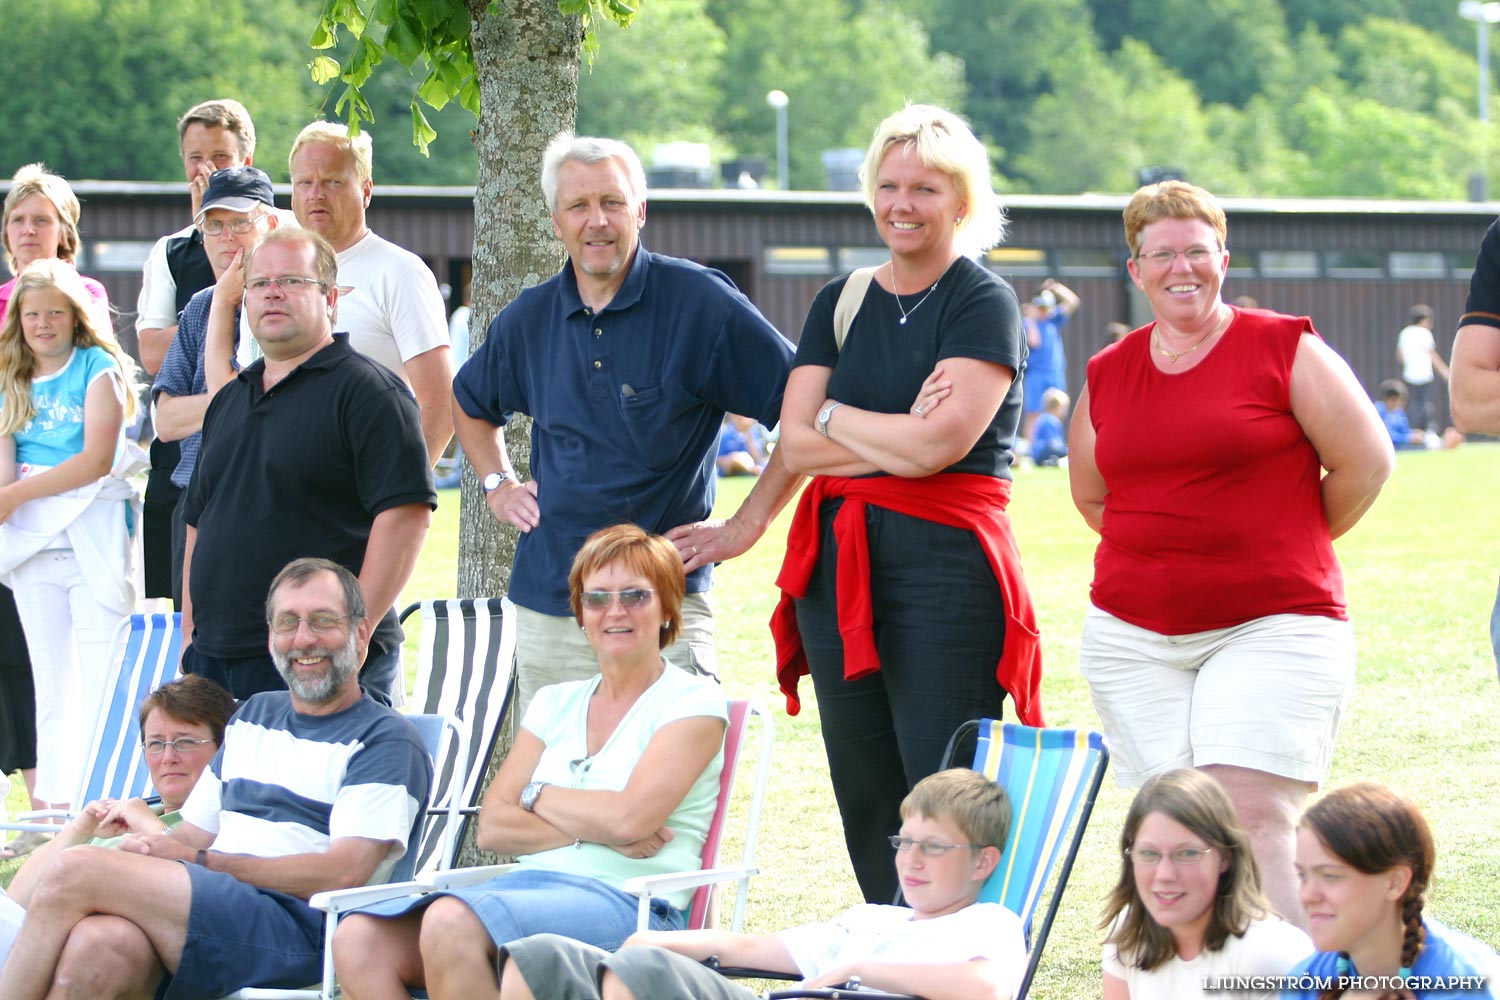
(1199, 803)
(1372, 830)
(193, 699)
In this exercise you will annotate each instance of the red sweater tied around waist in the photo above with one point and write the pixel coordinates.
(960, 500)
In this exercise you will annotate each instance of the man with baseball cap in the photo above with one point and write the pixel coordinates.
(237, 210)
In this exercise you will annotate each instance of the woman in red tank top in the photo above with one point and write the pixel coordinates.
(1218, 452)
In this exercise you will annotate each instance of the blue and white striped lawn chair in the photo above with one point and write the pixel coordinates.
(143, 656)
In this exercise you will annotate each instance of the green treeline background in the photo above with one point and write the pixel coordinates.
(1367, 98)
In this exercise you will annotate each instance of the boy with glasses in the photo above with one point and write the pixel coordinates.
(954, 825)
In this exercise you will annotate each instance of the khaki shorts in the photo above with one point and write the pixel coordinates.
(1265, 695)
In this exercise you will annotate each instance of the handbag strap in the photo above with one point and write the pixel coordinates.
(850, 299)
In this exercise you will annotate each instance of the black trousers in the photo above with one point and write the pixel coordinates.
(939, 630)
(17, 692)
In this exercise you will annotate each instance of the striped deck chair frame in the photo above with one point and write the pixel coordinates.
(143, 656)
(1053, 777)
(466, 669)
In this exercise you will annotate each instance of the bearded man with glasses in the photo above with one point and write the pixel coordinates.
(317, 788)
(311, 450)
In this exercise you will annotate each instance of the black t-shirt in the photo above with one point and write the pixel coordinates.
(971, 313)
(301, 470)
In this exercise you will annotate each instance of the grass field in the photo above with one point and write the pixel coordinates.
(1420, 572)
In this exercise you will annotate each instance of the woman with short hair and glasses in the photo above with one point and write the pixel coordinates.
(1218, 451)
(182, 726)
(609, 778)
(1188, 906)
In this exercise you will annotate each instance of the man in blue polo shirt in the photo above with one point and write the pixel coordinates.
(626, 361)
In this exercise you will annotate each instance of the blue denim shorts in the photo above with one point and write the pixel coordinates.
(530, 901)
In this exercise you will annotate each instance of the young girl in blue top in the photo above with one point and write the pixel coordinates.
(67, 529)
(1364, 859)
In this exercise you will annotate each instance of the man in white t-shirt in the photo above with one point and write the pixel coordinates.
(389, 302)
(1416, 350)
(945, 945)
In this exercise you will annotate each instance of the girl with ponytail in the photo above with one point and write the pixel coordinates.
(1364, 861)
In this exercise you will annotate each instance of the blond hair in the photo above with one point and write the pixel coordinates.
(361, 146)
(18, 363)
(1172, 200)
(943, 141)
(34, 178)
(976, 805)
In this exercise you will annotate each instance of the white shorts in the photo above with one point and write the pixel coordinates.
(1265, 695)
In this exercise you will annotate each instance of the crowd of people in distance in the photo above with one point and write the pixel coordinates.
(302, 387)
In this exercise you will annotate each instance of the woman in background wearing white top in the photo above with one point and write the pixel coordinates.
(1188, 906)
(69, 517)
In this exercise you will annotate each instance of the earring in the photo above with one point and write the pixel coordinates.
(666, 623)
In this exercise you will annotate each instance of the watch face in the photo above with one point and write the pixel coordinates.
(493, 481)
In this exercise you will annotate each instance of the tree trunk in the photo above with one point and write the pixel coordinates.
(526, 53)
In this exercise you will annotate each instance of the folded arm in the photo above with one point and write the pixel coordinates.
(660, 780)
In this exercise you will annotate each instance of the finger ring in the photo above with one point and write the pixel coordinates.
(695, 550)
(919, 410)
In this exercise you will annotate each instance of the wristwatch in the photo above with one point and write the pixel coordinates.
(494, 479)
(530, 793)
(824, 414)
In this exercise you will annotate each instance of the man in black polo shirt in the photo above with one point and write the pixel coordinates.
(313, 450)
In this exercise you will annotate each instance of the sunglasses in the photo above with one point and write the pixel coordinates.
(601, 599)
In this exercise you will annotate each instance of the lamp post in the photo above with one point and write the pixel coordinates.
(1483, 15)
(778, 100)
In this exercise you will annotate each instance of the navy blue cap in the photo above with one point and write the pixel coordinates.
(238, 189)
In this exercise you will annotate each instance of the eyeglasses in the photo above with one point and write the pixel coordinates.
(183, 744)
(319, 623)
(216, 227)
(929, 848)
(1145, 857)
(287, 283)
(601, 599)
(1165, 258)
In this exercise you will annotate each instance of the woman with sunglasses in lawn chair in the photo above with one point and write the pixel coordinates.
(1188, 907)
(609, 778)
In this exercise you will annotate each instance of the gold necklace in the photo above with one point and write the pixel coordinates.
(1161, 345)
(905, 312)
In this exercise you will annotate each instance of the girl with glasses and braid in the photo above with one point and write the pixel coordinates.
(1364, 861)
(1188, 907)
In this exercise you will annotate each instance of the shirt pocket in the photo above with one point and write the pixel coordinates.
(658, 422)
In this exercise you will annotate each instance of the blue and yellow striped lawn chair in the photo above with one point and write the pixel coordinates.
(1053, 777)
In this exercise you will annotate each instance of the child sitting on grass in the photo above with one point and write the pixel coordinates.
(1049, 440)
(946, 946)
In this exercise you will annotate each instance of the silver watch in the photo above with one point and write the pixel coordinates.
(493, 481)
(530, 793)
(824, 414)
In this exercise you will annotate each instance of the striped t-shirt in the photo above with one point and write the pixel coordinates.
(287, 783)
